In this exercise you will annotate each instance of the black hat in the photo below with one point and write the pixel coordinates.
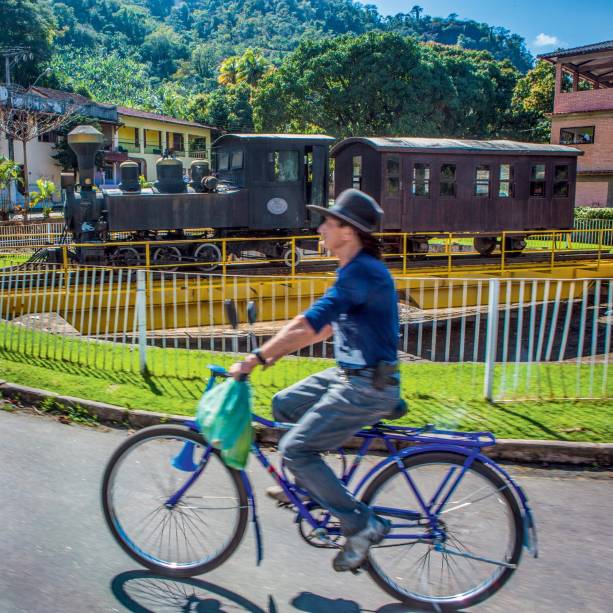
(356, 208)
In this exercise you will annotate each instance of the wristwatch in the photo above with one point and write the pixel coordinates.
(258, 354)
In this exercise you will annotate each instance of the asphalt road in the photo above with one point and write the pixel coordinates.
(56, 554)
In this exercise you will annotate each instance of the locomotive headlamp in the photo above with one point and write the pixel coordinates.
(85, 141)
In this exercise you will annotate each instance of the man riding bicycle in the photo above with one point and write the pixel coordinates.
(361, 311)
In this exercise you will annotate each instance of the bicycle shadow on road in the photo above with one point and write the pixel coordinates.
(313, 603)
(146, 592)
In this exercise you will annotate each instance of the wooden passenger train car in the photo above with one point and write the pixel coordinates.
(446, 185)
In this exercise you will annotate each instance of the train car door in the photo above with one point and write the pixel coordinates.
(315, 179)
(391, 192)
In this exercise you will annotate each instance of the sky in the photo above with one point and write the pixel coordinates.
(545, 24)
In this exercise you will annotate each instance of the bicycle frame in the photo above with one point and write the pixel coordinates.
(426, 439)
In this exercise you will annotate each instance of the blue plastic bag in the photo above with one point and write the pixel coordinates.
(224, 419)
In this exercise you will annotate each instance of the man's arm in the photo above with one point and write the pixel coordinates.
(298, 333)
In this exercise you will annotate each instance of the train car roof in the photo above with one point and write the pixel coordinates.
(402, 144)
(303, 138)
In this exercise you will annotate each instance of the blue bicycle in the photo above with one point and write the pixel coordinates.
(459, 521)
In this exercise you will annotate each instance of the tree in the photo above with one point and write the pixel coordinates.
(24, 117)
(29, 24)
(416, 11)
(251, 67)
(228, 71)
(228, 108)
(9, 171)
(162, 48)
(369, 85)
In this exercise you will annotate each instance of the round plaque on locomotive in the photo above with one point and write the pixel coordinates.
(276, 206)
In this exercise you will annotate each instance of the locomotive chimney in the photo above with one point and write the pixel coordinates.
(85, 141)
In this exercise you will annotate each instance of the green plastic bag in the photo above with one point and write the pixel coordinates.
(224, 419)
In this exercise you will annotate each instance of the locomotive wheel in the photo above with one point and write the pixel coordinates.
(485, 245)
(208, 257)
(168, 254)
(125, 256)
(514, 246)
(287, 256)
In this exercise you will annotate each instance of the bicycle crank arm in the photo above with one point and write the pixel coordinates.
(454, 552)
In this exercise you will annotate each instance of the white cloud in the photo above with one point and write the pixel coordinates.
(546, 40)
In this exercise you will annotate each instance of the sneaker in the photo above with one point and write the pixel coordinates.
(355, 551)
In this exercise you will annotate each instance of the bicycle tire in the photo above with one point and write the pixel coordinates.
(125, 535)
(479, 593)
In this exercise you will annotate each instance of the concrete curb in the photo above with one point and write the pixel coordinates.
(512, 450)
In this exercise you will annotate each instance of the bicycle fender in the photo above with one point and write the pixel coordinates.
(259, 549)
(530, 536)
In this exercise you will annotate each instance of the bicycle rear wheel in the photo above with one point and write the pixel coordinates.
(174, 533)
(481, 522)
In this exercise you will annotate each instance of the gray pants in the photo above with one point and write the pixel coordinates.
(328, 409)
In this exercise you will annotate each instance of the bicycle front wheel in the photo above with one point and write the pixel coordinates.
(172, 504)
(480, 527)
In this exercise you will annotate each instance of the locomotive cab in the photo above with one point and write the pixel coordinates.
(284, 171)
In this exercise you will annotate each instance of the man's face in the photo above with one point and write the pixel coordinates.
(333, 235)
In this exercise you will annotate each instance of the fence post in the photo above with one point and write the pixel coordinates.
(141, 317)
(491, 338)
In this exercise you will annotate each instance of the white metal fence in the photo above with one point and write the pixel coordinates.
(505, 339)
(593, 236)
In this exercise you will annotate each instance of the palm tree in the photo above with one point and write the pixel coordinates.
(252, 66)
(228, 71)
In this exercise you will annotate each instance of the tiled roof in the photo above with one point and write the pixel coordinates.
(606, 45)
(56, 94)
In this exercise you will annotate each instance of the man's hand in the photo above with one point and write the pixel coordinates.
(243, 368)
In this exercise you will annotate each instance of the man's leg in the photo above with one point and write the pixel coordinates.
(290, 404)
(341, 411)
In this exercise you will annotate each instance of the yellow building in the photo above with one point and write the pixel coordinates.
(143, 137)
(129, 134)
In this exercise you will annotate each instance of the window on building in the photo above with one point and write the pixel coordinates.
(537, 181)
(421, 180)
(237, 159)
(284, 166)
(197, 147)
(153, 141)
(48, 137)
(176, 142)
(356, 173)
(392, 175)
(560, 181)
(577, 136)
(482, 180)
(506, 187)
(447, 181)
(223, 160)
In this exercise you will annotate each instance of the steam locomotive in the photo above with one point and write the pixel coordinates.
(260, 188)
(261, 183)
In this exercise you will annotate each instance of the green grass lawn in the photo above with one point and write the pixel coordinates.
(448, 395)
(12, 259)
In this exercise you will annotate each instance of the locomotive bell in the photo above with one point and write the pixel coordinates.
(85, 141)
(129, 172)
(199, 170)
(170, 176)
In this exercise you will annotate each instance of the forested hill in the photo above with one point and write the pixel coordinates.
(228, 27)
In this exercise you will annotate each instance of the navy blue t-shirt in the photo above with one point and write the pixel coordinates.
(363, 310)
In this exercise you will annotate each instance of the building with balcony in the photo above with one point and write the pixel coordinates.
(583, 116)
(129, 134)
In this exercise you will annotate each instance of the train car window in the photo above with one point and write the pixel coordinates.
(482, 180)
(577, 136)
(447, 180)
(506, 188)
(237, 160)
(560, 181)
(284, 165)
(356, 181)
(392, 173)
(223, 160)
(421, 180)
(537, 181)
